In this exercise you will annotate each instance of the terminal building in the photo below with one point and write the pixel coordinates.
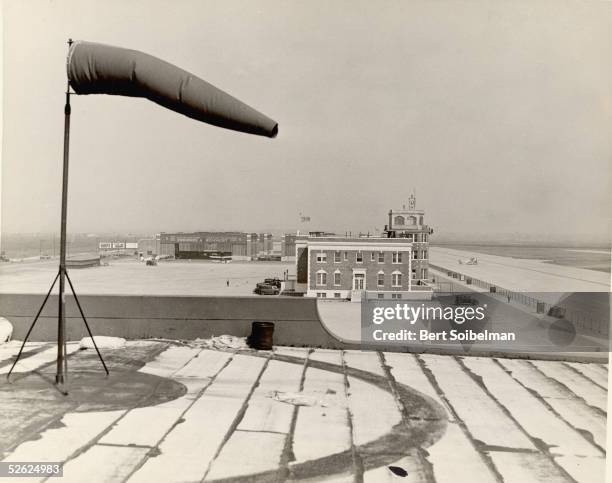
(393, 266)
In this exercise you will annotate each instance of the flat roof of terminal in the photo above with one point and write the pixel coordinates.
(344, 239)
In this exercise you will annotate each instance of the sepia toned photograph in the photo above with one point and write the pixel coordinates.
(287, 241)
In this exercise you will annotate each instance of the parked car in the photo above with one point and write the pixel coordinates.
(273, 281)
(265, 289)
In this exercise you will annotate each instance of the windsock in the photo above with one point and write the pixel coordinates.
(103, 69)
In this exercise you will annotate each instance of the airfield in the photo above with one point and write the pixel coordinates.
(132, 277)
(181, 277)
(522, 275)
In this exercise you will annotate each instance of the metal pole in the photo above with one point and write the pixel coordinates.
(62, 367)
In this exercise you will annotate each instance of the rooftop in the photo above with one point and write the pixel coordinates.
(185, 411)
(354, 239)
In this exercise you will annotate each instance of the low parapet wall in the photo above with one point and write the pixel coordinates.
(297, 322)
(139, 317)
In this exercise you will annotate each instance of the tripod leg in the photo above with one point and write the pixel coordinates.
(31, 327)
(86, 324)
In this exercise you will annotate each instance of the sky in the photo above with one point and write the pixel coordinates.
(496, 114)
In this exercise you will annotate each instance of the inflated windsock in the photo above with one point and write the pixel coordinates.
(103, 69)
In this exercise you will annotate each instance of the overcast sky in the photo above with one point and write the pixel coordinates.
(497, 113)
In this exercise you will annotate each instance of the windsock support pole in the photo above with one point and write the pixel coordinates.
(61, 376)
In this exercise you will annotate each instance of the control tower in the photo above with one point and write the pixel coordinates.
(410, 223)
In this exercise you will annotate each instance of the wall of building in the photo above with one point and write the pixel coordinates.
(140, 317)
(347, 267)
(149, 246)
(340, 255)
(288, 253)
(168, 249)
(297, 322)
(302, 264)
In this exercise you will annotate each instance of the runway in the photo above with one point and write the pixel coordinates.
(521, 275)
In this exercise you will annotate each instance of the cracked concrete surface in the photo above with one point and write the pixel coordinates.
(172, 412)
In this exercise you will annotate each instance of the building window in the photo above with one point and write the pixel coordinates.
(381, 257)
(337, 278)
(424, 254)
(336, 295)
(397, 257)
(413, 273)
(415, 254)
(423, 273)
(381, 295)
(380, 280)
(321, 278)
(336, 257)
(425, 237)
(396, 295)
(372, 257)
(346, 256)
(396, 278)
(322, 257)
(359, 257)
(398, 220)
(322, 295)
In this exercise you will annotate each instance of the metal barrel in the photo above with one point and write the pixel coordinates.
(262, 335)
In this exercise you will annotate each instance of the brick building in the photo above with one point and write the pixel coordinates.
(394, 266)
(348, 268)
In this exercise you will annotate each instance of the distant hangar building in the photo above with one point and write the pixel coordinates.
(205, 245)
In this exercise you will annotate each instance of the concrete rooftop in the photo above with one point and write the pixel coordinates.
(180, 412)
